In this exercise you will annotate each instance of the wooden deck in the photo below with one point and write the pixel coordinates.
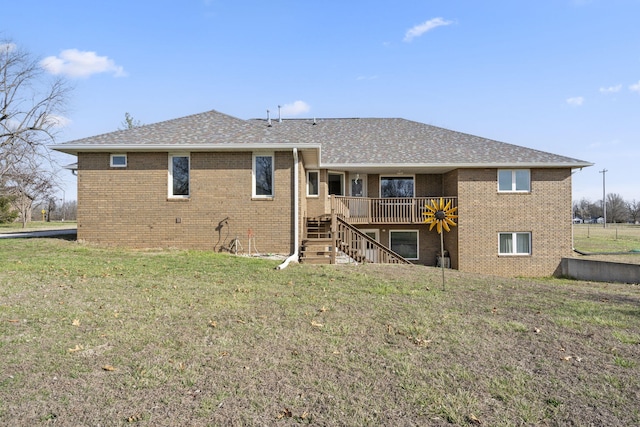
(365, 210)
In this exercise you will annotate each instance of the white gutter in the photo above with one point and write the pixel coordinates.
(296, 216)
(74, 149)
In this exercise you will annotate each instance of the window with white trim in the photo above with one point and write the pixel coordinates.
(118, 161)
(313, 183)
(404, 243)
(514, 180)
(335, 181)
(514, 243)
(263, 175)
(179, 175)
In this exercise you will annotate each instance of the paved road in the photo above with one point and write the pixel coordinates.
(70, 232)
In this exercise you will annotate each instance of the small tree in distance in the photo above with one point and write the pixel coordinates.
(129, 122)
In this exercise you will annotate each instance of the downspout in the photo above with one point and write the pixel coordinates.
(296, 208)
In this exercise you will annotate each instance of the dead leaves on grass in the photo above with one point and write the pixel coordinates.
(286, 413)
(75, 349)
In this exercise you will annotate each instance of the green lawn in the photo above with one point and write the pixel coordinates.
(95, 336)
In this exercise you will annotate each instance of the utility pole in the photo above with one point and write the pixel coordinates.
(604, 198)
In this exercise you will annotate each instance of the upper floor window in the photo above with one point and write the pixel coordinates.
(514, 180)
(514, 243)
(313, 183)
(335, 181)
(179, 175)
(263, 175)
(118, 161)
(397, 186)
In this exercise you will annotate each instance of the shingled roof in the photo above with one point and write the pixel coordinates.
(343, 142)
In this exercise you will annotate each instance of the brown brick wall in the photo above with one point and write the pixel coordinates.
(545, 212)
(129, 206)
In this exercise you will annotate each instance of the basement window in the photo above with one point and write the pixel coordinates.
(118, 161)
(514, 244)
(404, 243)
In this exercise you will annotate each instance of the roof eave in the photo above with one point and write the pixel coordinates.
(74, 149)
(452, 166)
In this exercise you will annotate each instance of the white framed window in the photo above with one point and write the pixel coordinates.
(514, 180)
(179, 175)
(514, 243)
(405, 243)
(397, 186)
(335, 181)
(118, 161)
(262, 175)
(313, 183)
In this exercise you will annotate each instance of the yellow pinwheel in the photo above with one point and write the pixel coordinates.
(440, 215)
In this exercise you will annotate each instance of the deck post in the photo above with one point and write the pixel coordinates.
(334, 233)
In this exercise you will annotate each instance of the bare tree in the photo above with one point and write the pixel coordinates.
(616, 208)
(29, 183)
(633, 208)
(31, 104)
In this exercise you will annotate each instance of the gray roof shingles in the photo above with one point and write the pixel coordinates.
(356, 141)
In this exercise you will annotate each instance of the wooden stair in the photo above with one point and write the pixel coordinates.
(318, 246)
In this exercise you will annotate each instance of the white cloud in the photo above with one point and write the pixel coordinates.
(8, 47)
(295, 109)
(58, 121)
(420, 29)
(75, 63)
(366, 78)
(575, 101)
(611, 89)
(635, 87)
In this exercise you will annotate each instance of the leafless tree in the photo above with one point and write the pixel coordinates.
(28, 183)
(616, 208)
(31, 106)
(633, 208)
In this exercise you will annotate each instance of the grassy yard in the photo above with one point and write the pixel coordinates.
(92, 336)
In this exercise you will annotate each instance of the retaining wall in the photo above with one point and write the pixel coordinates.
(600, 271)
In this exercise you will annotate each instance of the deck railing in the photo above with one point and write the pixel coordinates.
(361, 247)
(399, 210)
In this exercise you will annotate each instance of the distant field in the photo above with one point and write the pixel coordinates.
(94, 336)
(612, 240)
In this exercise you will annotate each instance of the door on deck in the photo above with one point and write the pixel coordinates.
(358, 208)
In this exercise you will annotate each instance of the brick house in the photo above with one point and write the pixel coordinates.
(305, 187)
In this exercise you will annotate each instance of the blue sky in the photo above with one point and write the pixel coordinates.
(556, 75)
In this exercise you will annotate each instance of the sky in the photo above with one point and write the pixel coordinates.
(561, 76)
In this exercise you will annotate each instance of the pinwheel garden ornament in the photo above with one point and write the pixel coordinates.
(442, 216)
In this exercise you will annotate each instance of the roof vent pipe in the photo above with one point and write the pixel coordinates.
(268, 119)
(279, 117)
